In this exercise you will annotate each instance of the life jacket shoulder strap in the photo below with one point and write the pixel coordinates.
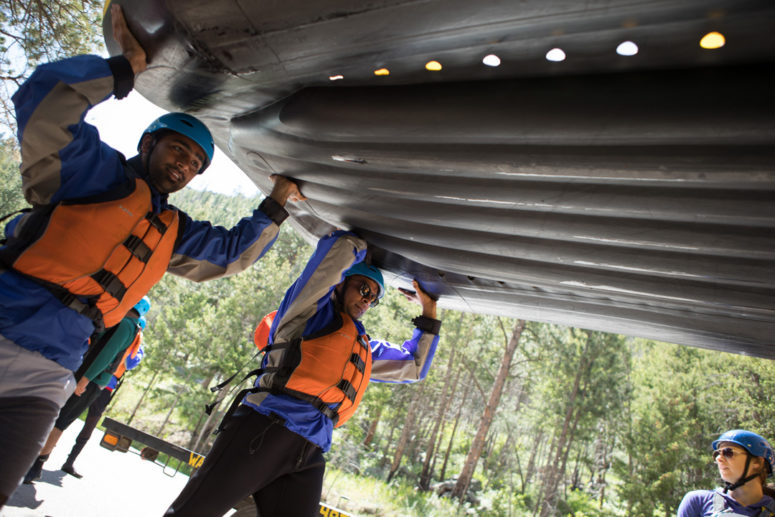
(718, 502)
(720, 505)
(97, 344)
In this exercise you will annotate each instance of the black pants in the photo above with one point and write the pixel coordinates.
(255, 454)
(95, 412)
(25, 423)
(76, 405)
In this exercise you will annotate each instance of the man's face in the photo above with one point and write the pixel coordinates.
(354, 303)
(175, 160)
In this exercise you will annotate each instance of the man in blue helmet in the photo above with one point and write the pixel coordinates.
(317, 365)
(744, 460)
(100, 234)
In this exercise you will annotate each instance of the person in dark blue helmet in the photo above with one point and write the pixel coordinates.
(318, 362)
(745, 461)
(100, 234)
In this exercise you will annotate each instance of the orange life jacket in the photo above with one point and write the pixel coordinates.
(131, 351)
(98, 255)
(261, 334)
(330, 368)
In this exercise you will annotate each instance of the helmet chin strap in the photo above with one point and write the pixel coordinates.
(743, 480)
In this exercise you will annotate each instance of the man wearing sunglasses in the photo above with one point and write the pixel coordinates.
(317, 365)
(744, 460)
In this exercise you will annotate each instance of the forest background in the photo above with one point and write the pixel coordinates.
(515, 418)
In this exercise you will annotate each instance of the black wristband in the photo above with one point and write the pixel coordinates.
(430, 325)
(123, 76)
(274, 210)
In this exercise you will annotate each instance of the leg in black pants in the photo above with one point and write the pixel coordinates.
(255, 454)
(93, 416)
(24, 425)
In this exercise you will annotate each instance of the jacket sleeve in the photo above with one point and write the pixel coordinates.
(121, 339)
(306, 306)
(63, 156)
(205, 252)
(410, 362)
(692, 504)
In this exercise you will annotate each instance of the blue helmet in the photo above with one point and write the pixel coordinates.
(752, 442)
(142, 322)
(186, 125)
(369, 271)
(143, 306)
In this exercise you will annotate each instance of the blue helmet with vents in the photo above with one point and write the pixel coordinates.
(186, 125)
(143, 306)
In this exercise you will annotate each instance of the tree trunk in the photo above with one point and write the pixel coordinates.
(148, 387)
(142, 397)
(178, 394)
(372, 428)
(195, 434)
(406, 432)
(554, 472)
(487, 416)
(443, 472)
(427, 469)
(444, 423)
(571, 438)
(531, 462)
(169, 413)
(386, 450)
(209, 424)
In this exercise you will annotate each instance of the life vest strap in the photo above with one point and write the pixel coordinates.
(110, 283)
(348, 389)
(72, 302)
(359, 363)
(85, 308)
(326, 410)
(138, 248)
(156, 222)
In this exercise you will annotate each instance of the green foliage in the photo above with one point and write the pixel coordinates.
(34, 31)
(11, 198)
(367, 496)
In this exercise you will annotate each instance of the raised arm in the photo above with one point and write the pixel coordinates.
(304, 304)
(62, 156)
(411, 361)
(205, 252)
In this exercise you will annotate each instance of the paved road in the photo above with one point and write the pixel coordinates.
(114, 484)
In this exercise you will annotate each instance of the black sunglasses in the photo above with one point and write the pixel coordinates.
(365, 291)
(727, 452)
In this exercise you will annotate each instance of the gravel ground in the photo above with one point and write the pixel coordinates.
(115, 484)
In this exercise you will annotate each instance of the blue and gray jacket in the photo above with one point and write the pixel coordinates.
(63, 158)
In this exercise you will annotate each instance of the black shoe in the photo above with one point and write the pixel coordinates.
(36, 470)
(71, 470)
